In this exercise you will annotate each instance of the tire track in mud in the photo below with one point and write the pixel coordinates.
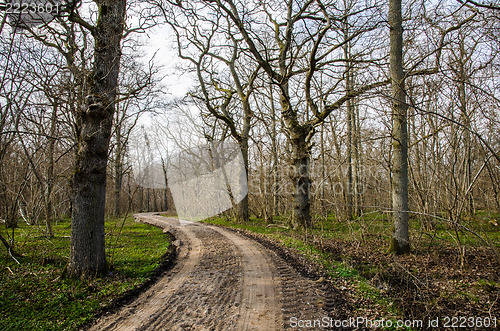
(260, 287)
(220, 282)
(301, 298)
(209, 294)
(304, 294)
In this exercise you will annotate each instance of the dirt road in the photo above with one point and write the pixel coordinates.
(221, 281)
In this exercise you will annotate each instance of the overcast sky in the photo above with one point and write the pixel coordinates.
(160, 40)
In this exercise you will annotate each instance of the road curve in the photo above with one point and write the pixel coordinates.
(223, 280)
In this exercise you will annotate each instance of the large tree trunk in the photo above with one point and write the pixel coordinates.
(302, 184)
(242, 208)
(243, 215)
(400, 242)
(87, 256)
(301, 149)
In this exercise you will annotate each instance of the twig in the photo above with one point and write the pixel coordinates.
(412, 275)
(12, 256)
(277, 226)
(492, 305)
(22, 215)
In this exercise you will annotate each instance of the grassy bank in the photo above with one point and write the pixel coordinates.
(448, 273)
(35, 297)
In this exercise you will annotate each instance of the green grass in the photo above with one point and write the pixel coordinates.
(34, 297)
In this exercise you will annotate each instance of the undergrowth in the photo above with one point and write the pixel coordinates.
(35, 297)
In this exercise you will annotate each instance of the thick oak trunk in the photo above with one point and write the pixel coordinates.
(87, 256)
(302, 183)
(242, 208)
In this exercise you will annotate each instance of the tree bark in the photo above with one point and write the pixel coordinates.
(49, 214)
(243, 215)
(87, 256)
(400, 243)
(302, 183)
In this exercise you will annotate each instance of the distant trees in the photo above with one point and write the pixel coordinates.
(335, 112)
(31, 134)
(139, 92)
(225, 76)
(329, 66)
(297, 48)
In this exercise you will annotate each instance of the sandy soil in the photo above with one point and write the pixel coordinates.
(222, 281)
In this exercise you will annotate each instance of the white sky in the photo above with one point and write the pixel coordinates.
(160, 40)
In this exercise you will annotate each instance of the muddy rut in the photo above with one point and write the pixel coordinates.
(221, 281)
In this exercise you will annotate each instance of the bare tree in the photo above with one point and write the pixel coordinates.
(88, 257)
(139, 92)
(226, 98)
(400, 243)
(299, 52)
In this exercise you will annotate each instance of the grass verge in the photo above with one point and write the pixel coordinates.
(34, 297)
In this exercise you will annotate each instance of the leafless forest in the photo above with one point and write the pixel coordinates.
(341, 110)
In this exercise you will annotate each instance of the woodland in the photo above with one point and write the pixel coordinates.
(369, 133)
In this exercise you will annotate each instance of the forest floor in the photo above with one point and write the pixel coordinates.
(35, 295)
(223, 275)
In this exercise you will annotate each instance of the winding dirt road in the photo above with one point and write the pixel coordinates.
(221, 281)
